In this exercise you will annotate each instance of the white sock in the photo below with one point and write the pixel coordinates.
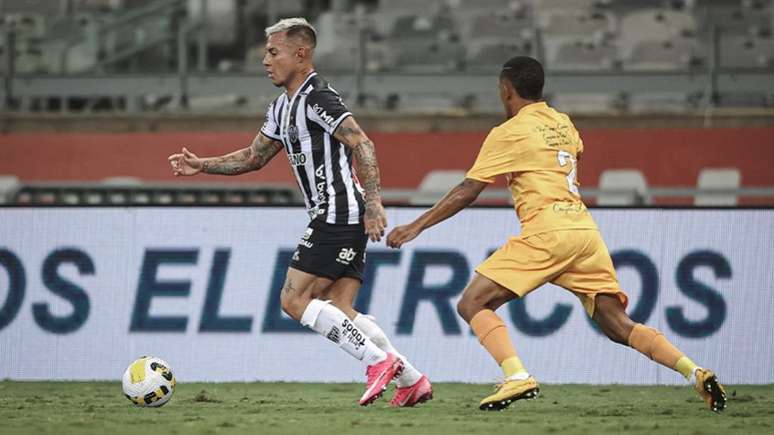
(520, 376)
(371, 329)
(330, 322)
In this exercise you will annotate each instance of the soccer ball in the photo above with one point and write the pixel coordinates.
(149, 382)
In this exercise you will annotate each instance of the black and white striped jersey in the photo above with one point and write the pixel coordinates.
(305, 124)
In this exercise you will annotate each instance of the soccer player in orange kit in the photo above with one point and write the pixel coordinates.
(537, 150)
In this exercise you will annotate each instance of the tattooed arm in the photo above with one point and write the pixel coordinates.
(350, 134)
(247, 159)
(461, 196)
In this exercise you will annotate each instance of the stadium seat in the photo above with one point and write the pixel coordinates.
(490, 57)
(435, 185)
(664, 55)
(562, 23)
(421, 27)
(491, 27)
(736, 19)
(661, 102)
(344, 61)
(717, 178)
(622, 187)
(648, 24)
(387, 15)
(333, 30)
(746, 52)
(27, 25)
(432, 56)
(42, 7)
(465, 6)
(8, 186)
(543, 6)
(584, 102)
(412, 6)
(583, 56)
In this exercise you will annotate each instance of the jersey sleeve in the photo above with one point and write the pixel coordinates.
(325, 108)
(270, 126)
(498, 155)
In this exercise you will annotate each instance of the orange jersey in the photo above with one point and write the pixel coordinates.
(537, 151)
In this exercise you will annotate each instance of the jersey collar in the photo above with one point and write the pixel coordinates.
(539, 105)
(303, 85)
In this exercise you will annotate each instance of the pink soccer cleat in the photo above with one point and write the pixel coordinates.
(379, 376)
(413, 395)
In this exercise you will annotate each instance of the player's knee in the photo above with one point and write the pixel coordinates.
(614, 334)
(341, 302)
(288, 307)
(293, 304)
(467, 308)
(616, 326)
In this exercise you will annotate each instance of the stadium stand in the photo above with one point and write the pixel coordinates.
(603, 57)
(583, 37)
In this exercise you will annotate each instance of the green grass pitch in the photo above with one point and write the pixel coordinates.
(317, 409)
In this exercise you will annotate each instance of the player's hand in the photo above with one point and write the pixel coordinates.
(185, 163)
(402, 234)
(375, 220)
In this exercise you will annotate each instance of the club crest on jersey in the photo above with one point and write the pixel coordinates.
(293, 133)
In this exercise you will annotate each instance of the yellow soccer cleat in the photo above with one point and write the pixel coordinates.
(710, 390)
(508, 392)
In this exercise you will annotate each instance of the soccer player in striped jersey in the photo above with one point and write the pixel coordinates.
(537, 149)
(321, 139)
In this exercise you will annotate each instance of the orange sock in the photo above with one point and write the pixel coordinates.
(654, 345)
(493, 335)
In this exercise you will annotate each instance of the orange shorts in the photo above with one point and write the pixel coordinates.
(577, 260)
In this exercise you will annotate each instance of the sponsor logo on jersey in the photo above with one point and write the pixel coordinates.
(328, 119)
(346, 255)
(297, 159)
(320, 174)
(296, 256)
(305, 239)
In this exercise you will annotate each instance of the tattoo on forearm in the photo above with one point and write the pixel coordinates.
(249, 159)
(231, 164)
(365, 159)
(368, 169)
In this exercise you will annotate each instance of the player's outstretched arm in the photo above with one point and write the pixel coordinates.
(461, 196)
(350, 134)
(247, 159)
